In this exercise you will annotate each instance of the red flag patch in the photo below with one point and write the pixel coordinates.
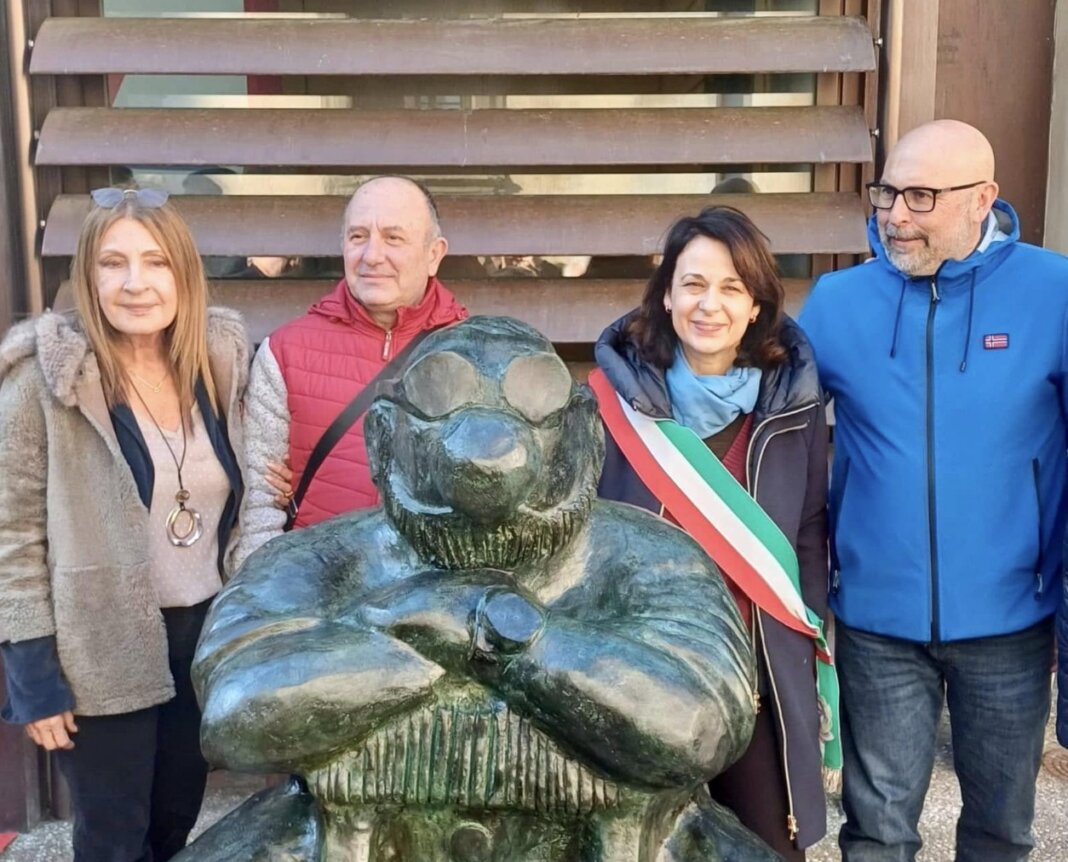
(996, 341)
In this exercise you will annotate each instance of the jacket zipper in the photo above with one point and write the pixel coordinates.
(757, 705)
(832, 542)
(387, 345)
(752, 479)
(764, 448)
(1040, 565)
(931, 511)
(792, 826)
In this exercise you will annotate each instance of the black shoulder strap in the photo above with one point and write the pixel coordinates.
(344, 421)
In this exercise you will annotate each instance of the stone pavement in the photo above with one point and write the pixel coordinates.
(50, 842)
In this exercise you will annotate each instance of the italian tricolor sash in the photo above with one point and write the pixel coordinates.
(717, 512)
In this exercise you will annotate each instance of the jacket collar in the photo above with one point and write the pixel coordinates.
(437, 308)
(228, 356)
(60, 347)
(789, 386)
(642, 385)
(70, 368)
(795, 382)
(954, 272)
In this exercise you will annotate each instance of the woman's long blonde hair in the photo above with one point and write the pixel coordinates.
(186, 338)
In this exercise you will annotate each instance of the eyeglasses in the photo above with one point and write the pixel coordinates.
(917, 198)
(149, 199)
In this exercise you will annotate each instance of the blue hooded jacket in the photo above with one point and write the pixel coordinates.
(947, 500)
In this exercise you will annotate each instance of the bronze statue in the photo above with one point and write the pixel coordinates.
(495, 665)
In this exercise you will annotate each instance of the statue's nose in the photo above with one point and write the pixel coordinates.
(489, 444)
(490, 464)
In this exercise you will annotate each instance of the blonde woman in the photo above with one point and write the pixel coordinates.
(119, 491)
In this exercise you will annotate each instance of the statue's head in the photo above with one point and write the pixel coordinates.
(485, 450)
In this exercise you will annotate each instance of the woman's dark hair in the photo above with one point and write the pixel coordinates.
(651, 328)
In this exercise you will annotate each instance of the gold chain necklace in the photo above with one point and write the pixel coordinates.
(155, 387)
(184, 524)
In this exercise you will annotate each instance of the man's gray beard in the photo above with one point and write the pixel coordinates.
(910, 264)
(925, 261)
(917, 263)
(452, 541)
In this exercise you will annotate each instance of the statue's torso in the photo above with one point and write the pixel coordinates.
(466, 779)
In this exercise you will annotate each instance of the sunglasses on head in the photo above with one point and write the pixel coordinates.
(147, 198)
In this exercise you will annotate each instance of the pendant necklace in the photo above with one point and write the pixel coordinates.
(184, 525)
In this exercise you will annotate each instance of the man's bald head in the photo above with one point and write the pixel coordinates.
(405, 187)
(948, 152)
(957, 162)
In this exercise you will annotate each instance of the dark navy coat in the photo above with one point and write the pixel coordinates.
(786, 469)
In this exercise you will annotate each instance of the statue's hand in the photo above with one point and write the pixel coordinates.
(434, 612)
(505, 623)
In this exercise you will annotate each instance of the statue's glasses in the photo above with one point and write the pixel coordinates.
(537, 385)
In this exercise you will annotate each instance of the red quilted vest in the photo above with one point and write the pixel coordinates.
(327, 356)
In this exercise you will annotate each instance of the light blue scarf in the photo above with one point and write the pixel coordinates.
(706, 404)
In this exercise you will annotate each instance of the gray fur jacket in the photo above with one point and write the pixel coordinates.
(73, 546)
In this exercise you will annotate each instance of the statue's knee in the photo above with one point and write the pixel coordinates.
(281, 822)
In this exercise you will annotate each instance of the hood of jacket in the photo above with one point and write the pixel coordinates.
(953, 276)
(62, 350)
(792, 384)
(953, 272)
(438, 307)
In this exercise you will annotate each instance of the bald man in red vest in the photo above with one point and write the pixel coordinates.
(306, 372)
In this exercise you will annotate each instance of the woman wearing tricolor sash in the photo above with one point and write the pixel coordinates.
(715, 420)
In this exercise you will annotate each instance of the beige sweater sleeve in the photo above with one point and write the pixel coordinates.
(266, 437)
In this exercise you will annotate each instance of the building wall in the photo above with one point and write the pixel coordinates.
(984, 62)
(994, 70)
(1057, 184)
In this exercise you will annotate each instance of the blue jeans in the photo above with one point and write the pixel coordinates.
(998, 690)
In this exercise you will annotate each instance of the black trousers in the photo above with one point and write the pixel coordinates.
(137, 779)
